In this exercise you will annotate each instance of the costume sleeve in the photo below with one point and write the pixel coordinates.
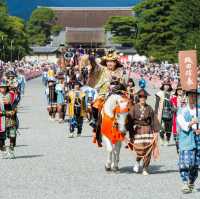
(157, 104)
(184, 125)
(84, 103)
(130, 122)
(155, 125)
(68, 99)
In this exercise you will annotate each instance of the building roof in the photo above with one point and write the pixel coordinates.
(85, 35)
(90, 8)
(44, 49)
(126, 50)
(59, 39)
(92, 18)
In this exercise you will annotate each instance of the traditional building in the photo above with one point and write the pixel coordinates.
(85, 26)
(46, 54)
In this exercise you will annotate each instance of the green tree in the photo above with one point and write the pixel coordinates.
(41, 25)
(186, 25)
(56, 29)
(156, 36)
(13, 38)
(122, 28)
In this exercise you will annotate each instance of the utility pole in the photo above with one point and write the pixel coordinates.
(11, 53)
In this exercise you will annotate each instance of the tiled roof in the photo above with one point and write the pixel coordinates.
(85, 35)
(88, 17)
(44, 49)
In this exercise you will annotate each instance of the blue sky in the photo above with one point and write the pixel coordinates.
(23, 8)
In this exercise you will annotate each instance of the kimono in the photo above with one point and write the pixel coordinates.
(51, 97)
(105, 77)
(60, 94)
(8, 118)
(76, 110)
(90, 94)
(142, 124)
(2, 117)
(163, 109)
(177, 102)
(187, 145)
(22, 82)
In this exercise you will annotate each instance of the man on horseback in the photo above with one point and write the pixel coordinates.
(110, 69)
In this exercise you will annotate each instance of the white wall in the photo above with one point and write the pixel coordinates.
(50, 58)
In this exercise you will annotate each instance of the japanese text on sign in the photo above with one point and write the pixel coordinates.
(188, 69)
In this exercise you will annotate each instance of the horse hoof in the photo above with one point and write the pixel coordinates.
(100, 145)
(115, 169)
(107, 169)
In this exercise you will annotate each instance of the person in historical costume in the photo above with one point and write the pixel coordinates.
(164, 111)
(90, 96)
(45, 77)
(51, 96)
(131, 89)
(7, 121)
(50, 73)
(15, 97)
(189, 143)
(178, 100)
(143, 128)
(94, 71)
(60, 91)
(83, 66)
(4, 98)
(21, 82)
(110, 69)
(76, 109)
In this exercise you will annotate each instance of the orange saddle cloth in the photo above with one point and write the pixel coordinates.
(110, 130)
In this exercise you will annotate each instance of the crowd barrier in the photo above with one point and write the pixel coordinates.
(154, 81)
(32, 75)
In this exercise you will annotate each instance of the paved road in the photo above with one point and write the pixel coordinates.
(49, 165)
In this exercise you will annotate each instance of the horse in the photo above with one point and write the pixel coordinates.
(114, 117)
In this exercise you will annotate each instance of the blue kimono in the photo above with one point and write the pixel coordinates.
(187, 145)
(60, 94)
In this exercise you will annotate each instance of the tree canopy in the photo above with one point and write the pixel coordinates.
(186, 25)
(156, 35)
(122, 28)
(41, 26)
(164, 28)
(13, 38)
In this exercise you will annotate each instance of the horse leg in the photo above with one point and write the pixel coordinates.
(109, 149)
(116, 153)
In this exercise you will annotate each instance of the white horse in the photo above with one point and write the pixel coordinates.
(114, 115)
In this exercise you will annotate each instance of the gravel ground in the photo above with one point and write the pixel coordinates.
(49, 165)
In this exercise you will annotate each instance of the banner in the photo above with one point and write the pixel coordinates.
(188, 69)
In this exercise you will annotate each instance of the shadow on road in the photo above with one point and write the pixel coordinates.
(86, 136)
(28, 156)
(126, 170)
(24, 128)
(22, 145)
(155, 169)
(172, 145)
(198, 190)
(23, 107)
(22, 112)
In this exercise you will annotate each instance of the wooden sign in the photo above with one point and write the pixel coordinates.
(188, 69)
